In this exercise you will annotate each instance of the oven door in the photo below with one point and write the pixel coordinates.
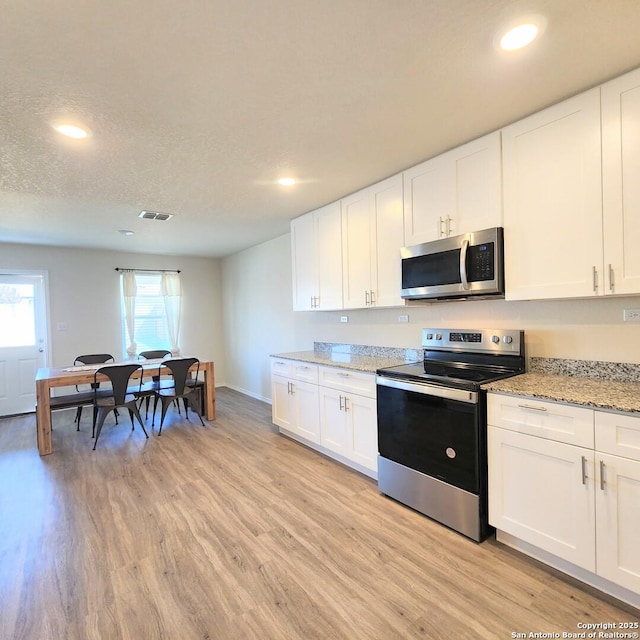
(432, 429)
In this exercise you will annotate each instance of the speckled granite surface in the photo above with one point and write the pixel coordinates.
(619, 371)
(611, 386)
(356, 357)
(609, 395)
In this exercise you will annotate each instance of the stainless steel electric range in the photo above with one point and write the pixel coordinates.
(432, 424)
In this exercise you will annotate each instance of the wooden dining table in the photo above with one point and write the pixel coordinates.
(48, 378)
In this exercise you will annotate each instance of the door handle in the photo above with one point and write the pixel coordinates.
(584, 470)
(463, 265)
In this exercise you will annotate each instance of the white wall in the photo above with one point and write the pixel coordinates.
(259, 321)
(84, 293)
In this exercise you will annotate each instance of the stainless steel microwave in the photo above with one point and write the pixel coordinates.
(464, 266)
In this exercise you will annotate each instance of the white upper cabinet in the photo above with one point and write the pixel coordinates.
(553, 201)
(316, 246)
(621, 183)
(372, 235)
(457, 192)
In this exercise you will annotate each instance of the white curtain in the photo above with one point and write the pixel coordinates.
(129, 290)
(172, 293)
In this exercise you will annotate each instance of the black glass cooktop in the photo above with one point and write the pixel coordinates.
(446, 374)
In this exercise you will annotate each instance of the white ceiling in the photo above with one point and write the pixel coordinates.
(198, 106)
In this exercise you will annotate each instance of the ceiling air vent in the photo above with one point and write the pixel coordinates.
(155, 215)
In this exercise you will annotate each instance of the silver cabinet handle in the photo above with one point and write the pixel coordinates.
(584, 470)
(341, 405)
(346, 406)
(366, 298)
(612, 283)
(595, 279)
(372, 297)
(440, 223)
(529, 406)
(448, 221)
(463, 265)
(602, 480)
(342, 374)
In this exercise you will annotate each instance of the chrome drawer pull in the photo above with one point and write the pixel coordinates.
(528, 406)
(343, 375)
(584, 470)
(602, 481)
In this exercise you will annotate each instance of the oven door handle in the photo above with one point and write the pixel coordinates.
(448, 393)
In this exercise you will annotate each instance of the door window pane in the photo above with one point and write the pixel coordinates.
(17, 315)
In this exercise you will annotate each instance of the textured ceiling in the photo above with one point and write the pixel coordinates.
(198, 106)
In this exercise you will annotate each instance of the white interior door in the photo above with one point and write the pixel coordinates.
(23, 349)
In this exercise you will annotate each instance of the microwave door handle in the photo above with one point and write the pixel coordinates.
(463, 265)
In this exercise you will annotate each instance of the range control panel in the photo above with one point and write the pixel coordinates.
(483, 340)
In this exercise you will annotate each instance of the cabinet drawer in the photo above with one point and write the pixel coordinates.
(358, 382)
(295, 369)
(618, 435)
(562, 423)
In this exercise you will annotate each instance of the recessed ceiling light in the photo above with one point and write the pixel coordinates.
(126, 232)
(523, 33)
(287, 182)
(71, 130)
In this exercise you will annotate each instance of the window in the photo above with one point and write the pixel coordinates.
(17, 316)
(153, 310)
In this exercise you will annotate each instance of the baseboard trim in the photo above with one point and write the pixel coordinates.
(246, 392)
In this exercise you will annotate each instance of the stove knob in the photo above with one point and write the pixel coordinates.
(495, 339)
(438, 336)
(507, 339)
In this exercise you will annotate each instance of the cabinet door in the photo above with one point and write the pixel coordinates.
(304, 259)
(618, 520)
(388, 239)
(356, 250)
(281, 410)
(620, 183)
(304, 398)
(334, 427)
(362, 415)
(478, 185)
(553, 202)
(428, 200)
(543, 493)
(457, 192)
(329, 247)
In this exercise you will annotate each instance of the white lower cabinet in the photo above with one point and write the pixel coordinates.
(537, 494)
(617, 460)
(294, 393)
(579, 503)
(332, 410)
(348, 426)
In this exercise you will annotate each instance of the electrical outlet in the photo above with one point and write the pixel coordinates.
(403, 319)
(344, 318)
(631, 315)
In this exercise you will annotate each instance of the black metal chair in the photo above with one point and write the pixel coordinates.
(120, 376)
(191, 395)
(148, 389)
(86, 397)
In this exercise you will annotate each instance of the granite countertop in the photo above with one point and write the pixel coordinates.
(356, 357)
(601, 385)
(353, 361)
(598, 393)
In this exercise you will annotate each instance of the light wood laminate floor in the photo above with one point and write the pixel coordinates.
(233, 531)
